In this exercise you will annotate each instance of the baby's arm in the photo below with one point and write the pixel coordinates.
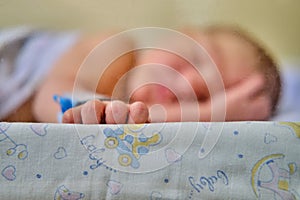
(61, 80)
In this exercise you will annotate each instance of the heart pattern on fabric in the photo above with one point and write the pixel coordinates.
(270, 138)
(60, 153)
(114, 187)
(9, 173)
(156, 196)
(172, 156)
(39, 129)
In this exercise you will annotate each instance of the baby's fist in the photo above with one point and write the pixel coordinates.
(109, 112)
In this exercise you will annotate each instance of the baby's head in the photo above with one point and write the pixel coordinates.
(235, 53)
(249, 55)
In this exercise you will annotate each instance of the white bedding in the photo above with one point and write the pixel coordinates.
(249, 160)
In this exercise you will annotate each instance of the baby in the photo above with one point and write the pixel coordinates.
(162, 85)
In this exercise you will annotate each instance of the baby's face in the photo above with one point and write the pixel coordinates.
(163, 77)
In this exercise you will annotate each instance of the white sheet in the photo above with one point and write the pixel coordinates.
(250, 160)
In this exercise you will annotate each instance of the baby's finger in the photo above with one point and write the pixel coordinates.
(92, 112)
(72, 115)
(252, 86)
(138, 113)
(116, 112)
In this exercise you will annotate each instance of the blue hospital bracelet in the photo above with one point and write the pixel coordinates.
(67, 102)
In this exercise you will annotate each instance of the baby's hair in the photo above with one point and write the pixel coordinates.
(265, 61)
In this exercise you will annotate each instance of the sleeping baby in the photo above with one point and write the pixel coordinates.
(216, 73)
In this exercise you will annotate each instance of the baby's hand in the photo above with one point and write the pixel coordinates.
(247, 101)
(109, 112)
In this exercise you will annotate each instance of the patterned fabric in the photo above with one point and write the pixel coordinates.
(233, 160)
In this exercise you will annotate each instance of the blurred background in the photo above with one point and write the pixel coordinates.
(276, 22)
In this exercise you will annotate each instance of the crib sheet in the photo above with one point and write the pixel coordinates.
(190, 160)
